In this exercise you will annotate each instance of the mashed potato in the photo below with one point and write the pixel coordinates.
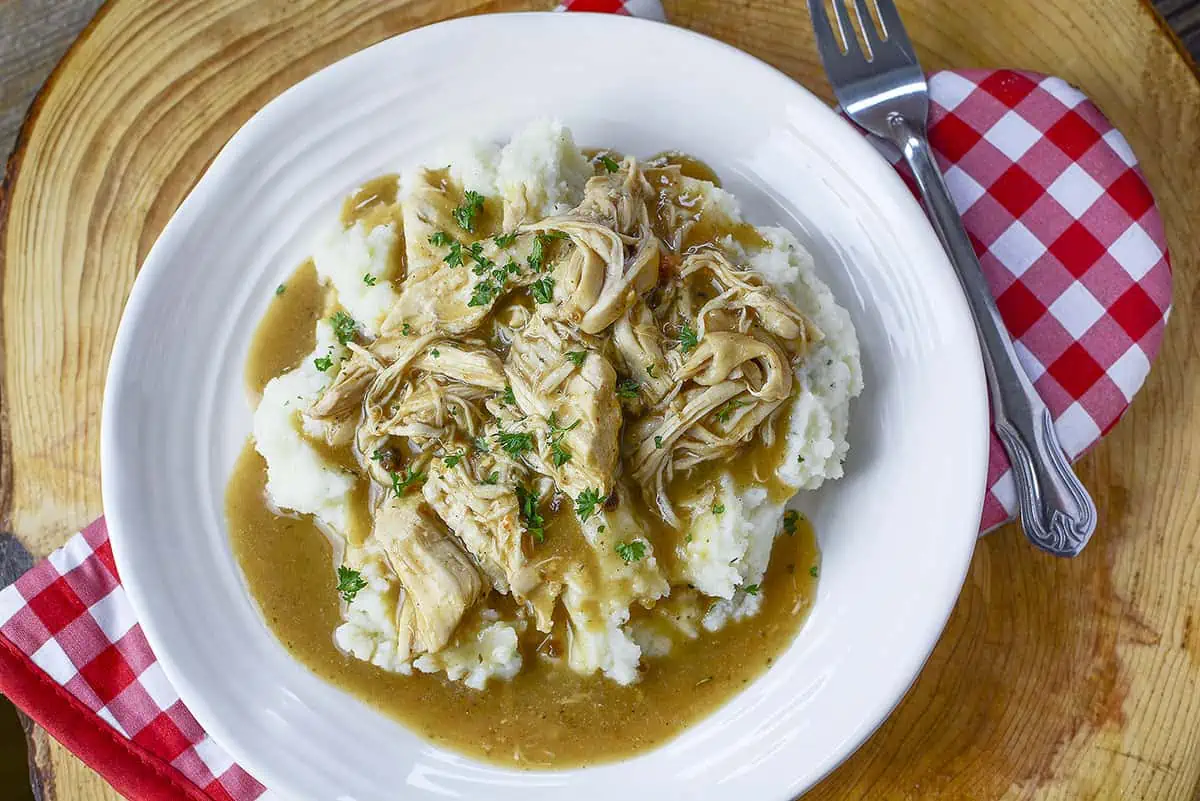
(542, 172)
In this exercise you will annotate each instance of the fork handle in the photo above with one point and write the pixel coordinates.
(1057, 513)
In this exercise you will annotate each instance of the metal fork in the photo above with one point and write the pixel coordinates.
(880, 85)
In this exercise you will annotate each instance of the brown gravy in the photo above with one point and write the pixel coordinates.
(547, 716)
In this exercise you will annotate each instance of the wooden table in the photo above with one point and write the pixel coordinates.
(1054, 679)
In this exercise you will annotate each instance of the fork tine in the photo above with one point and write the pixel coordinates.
(827, 40)
(866, 24)
(893, 27)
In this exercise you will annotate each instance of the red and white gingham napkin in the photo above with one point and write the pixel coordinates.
(1070, 242)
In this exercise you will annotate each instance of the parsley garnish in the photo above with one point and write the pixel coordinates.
(628, 388)
(687, 338)
(577, 357)
(531, 515)
(504, 240)
(609, 163)
(543, 289)
(537, 254)
(790, 520)
(485, 292)
(515, 443)
(440, 239)
(455, 257)
(405, 330)
(453, 459)
(493, 478)
(558, 452)
(402, 483)
(435, 353)
(586, 503)
(751, 589)
(475, 251)
(507, 396)
(279, 290)
(631, 551)
(369, 279)
(814, 571)
(718, 508)
(324, 362)
(725, 411)
(344, 327)
(481, 444)
(658, 442)
(350, 583)
(465, 214)
(650, 370)
(489, 288)
(380, 453)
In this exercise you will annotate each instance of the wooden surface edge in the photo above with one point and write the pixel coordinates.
(43, 752)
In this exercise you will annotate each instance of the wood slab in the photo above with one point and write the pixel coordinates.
(1054, 679)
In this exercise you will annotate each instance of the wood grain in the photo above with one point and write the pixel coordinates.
(1053, 680)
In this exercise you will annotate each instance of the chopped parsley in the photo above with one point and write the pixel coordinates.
(492, 478)
(435, 353)
(515, 443)
(600, 528)
(814, 571)
(279, 290)
(650, 369)
(324, 362)
(466, 213)
(485, 292)
(455, 257)
(507, 396)
(687, 338)
(628, 388)
(577, 357)
(369, 279)
(490, 287)
(658, 442)
(350, 583)
(505, 240)
(718, 508)
(633, 551)
(380, 453)
(344, 327)
(402, 483)
(542, 289)
(586, 503)
(405, 330)
(751, 589)
(537, 253)
(481, 444)
(609, 163)
(450, 460)
(728, 409)
(559, 454)
(531, 515)
(791, 518)
(440, 239)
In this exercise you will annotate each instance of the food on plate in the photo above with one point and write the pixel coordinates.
(527, 427)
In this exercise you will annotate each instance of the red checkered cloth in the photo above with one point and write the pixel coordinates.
(1071, 245)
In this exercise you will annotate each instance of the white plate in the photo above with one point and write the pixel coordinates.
(897, 533)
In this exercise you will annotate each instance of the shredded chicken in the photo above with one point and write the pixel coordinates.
(440, 582)
(573, 364)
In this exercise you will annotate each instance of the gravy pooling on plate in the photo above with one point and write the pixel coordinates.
(525, 432)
